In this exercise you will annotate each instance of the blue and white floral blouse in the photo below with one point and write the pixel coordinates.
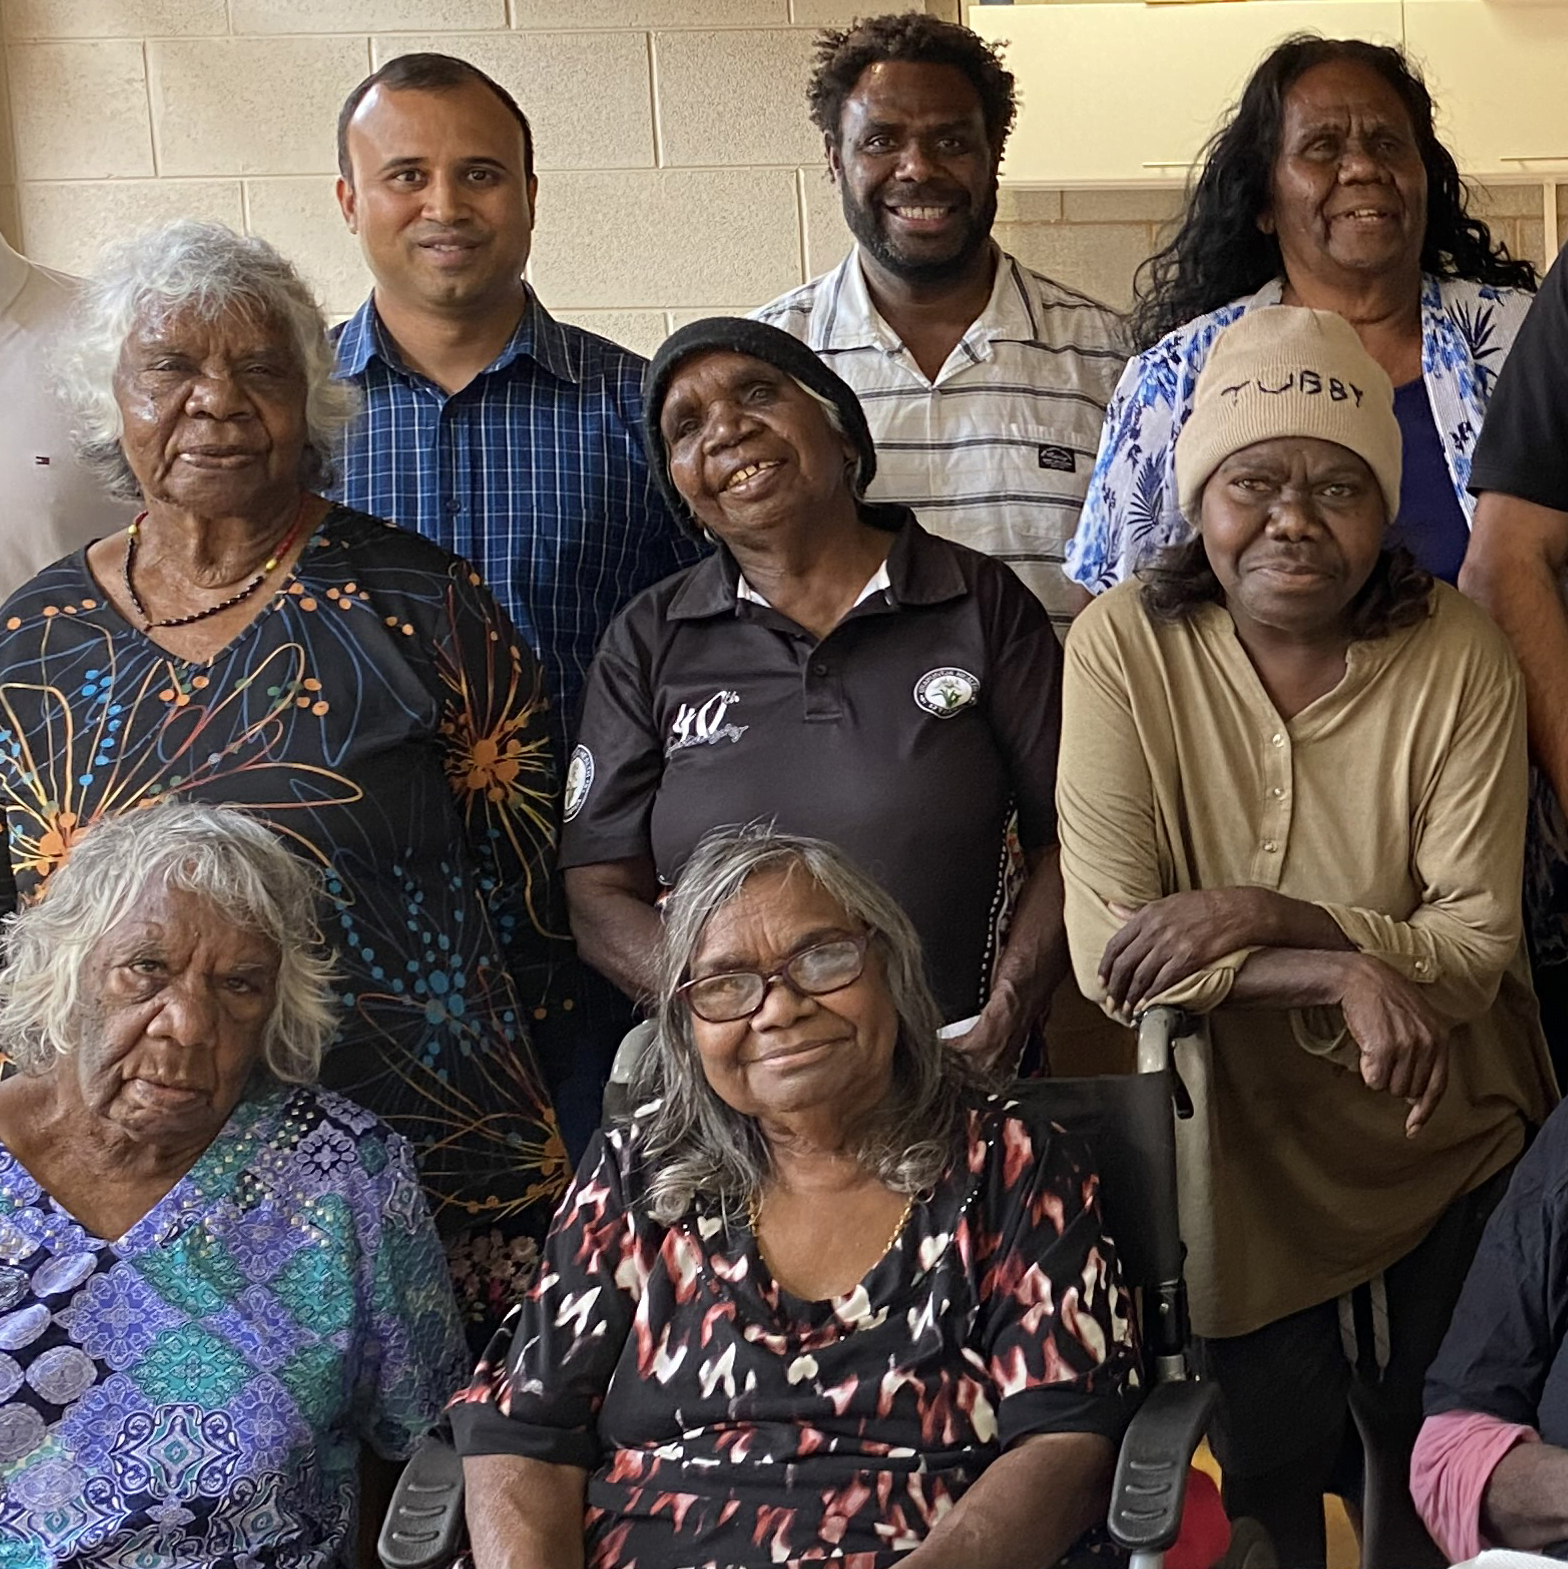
(1467, 330)
(196, 1391)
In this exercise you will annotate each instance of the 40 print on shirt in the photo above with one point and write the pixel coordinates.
(703, 724)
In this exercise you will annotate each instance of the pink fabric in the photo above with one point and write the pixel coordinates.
(1450, 1466)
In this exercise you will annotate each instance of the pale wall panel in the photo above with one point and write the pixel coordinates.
(586, 95)
(667, 238)
(301, 217)
(735, 97)
(65, 225)
(79, 110)
(235, 106)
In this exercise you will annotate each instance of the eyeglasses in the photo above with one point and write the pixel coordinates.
(813, 972)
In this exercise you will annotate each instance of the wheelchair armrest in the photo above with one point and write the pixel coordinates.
(424, 1524)
(1151, 1471)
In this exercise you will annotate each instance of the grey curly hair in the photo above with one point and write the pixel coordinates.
(219, 854)
(208, 269)
(690, 1139)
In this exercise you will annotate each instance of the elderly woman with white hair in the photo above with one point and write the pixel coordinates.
(222, 1293)
(245, 641)
(825, 1298)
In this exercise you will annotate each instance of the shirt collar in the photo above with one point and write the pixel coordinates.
(920, 570)
(878, 581)
(14, 271)
(851, 321)
(537, 335)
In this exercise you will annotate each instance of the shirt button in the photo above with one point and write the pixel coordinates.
(1277, 792)
(1277, 739)
(453, 504)
(819, 667)
(1422, 966)
(1270, 846)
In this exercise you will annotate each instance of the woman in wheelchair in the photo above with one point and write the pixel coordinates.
(1293, 802)
(824, 1295)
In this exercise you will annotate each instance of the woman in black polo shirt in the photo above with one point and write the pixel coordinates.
(833, 668)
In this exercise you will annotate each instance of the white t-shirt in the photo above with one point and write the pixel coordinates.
(49, 504)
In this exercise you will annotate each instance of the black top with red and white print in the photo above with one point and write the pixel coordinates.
(723, 1421)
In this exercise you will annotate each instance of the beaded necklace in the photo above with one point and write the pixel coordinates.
(269, 566)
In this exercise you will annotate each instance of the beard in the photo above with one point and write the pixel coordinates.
(867, 221)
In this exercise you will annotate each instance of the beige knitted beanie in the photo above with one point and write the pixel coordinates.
(1281, 370)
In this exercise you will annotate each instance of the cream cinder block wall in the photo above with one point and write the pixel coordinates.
(678, 173)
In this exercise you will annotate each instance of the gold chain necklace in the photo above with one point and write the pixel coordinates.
(754, 1220)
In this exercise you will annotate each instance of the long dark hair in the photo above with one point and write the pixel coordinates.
(1219, 254)
(1178, 579)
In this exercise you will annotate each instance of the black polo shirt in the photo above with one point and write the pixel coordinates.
(907, 736)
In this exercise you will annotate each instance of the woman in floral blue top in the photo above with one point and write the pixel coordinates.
(1327, 188)
(221, 1293)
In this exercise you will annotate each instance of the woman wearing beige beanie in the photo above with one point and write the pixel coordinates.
(1292, 793)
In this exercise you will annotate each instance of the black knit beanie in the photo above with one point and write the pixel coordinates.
(761, 342)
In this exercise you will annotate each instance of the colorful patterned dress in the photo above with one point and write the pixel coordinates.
(380, 713)
(723, 1421)
(197, 1391)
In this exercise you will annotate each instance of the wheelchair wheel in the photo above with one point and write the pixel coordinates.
(1250, 1547)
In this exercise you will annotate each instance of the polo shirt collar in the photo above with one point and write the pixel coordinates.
(538, 336)
(851, 321)
(921, 570)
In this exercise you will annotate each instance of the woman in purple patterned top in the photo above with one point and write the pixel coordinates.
(823, 1296)
(223, 1307)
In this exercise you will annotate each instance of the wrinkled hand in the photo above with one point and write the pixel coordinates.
(1171, 938)
(996, 1038)
(1403, 1043)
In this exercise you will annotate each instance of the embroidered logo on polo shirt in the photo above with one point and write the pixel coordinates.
(704, 724)
(579, 781)
(1060, 458)
(947, 691)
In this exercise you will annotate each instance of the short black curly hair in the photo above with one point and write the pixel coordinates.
(844, 53)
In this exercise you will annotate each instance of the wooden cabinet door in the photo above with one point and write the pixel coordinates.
(1119, 94)
(1499, 78)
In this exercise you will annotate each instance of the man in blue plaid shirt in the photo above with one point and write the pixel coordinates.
(507, 436)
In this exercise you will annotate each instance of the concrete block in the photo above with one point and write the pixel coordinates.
(640, 331)
(666, 238)
(7, 145)
(1122, 206)
(65, 226)
(79, 111)
(682, 318)
(839, 13)
(301, 217)
(1098, 259)
(1015, 205)
(828, 239)
(734, 97)
(652, 13)
(586, 95)
(234, 106)
(1530, 241)
(10, 216)
(1505, 201)
(364, 16)
(114, 18)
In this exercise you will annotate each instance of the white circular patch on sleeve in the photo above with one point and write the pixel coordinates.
(579, 780)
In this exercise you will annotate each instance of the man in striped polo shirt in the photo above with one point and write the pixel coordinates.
(984, 383)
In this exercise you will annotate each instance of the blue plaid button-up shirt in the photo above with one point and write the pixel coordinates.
(534, 472)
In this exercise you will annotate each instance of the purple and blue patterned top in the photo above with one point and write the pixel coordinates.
(1467, 330)
(197, 1391)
